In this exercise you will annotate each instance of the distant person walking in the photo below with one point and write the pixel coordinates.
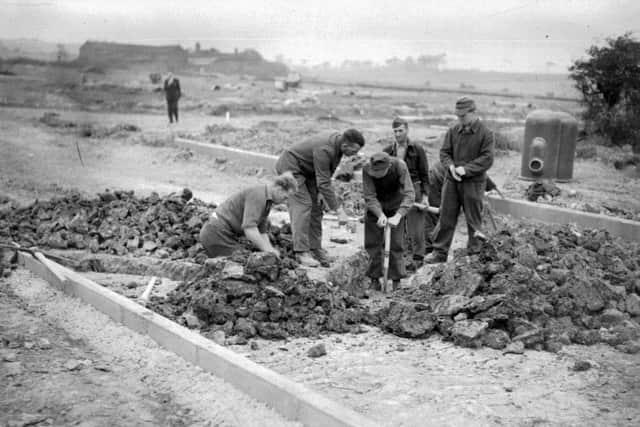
(172, 93)
(466, 155)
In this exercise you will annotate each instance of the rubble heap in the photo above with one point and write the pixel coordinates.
(115, 222)
(535, 286)
(259, 294)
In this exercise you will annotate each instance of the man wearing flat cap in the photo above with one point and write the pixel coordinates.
(313, 163)
(466, 155)
(388, 195)
(412, 153)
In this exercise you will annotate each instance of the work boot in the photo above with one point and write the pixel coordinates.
(305, 258)
(322, 256)
(432, 258)
(376, 284)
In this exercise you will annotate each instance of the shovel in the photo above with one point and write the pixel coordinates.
(385, 264)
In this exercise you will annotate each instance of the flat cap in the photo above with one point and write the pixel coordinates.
(379, 164)
(465, 105)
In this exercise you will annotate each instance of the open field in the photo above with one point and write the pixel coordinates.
(392, 380)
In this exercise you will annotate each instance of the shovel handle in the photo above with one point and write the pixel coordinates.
(387, 249)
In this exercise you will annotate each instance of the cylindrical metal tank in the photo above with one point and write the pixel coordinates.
(549, 146)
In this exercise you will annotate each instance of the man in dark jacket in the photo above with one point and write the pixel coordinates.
(466, 155)
(437, 174)
(313, 163)
(412, 153)
(388, 194)
(172, 93)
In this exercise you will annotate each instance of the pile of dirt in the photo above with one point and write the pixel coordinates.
(259, 294)
(115, 222)
(545, 189)
(531, 286)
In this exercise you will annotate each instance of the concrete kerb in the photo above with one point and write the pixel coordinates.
(291, 399)
(237, 156)
(618, 227)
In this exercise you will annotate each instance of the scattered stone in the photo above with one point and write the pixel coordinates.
(317, 350)
(254, 346)
(496, 339)
(191, 320)
(12, 369)
(73, 365)
(468, 333)
(44, 344)
(8, 356)
(632, 304)
(630, 347)
(514, 348)
(581, 365)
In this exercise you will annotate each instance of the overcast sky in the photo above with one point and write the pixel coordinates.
(506, 35)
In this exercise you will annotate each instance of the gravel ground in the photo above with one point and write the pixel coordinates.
(138, 360)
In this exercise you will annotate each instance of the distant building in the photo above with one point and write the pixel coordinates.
(248, 61)
(105, 53)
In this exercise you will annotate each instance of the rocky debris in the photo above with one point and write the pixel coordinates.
(350, 193)
(581, 365)
(534, 286)
(270, 298)
(116, 222)
(349, 274)
(317, 350)
(545, 189)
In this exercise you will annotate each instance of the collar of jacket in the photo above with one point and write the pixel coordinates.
(472, 128)
(394, 147)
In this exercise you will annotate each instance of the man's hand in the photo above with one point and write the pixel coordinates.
(322, 203)
(454, 174)
(460, 171)
(382, 221)
(394, 220)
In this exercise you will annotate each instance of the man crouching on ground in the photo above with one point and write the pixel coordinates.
(313, 163)
(245, 214)
(388, 194)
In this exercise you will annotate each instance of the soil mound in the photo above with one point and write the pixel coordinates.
(115, 223)
(259, 294)
(543, 286)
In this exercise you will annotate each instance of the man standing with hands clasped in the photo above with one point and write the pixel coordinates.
(388, 194)
(466, 155)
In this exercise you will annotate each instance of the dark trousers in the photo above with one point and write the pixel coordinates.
(430, 222)
(415, 227)
(456, 195)
(172, 109)
(218, 238)
(304, 211)
(374, 245)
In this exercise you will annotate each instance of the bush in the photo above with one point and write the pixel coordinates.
(610, 87)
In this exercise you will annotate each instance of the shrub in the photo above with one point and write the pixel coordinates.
(610, 88)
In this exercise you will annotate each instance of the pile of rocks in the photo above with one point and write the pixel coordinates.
(533, 286)
(115, 222)
(259, 294)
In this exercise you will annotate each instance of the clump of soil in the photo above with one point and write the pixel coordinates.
(115, 222)
(543, 286)
(259, 294)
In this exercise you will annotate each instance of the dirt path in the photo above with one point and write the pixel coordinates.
(400, 382)
(65, 363)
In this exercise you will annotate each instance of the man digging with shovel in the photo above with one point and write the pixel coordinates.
(388, 194)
